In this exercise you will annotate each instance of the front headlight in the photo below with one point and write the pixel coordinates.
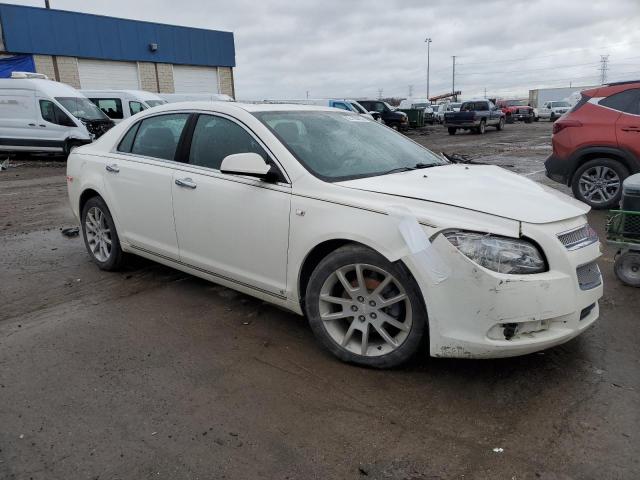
(500, 254)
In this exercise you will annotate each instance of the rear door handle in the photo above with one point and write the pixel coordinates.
(186, 183)
(42, 125)
(113, 168)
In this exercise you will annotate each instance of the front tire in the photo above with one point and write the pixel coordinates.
(365, 309)
(500, 125)
(598, 182)
(100, 235)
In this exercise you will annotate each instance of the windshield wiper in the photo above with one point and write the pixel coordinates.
(398, 169)
(427, 165)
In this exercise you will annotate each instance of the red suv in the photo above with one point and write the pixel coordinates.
(596, 145)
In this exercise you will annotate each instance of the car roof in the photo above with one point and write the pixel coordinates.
(136, 93)
(248, 107)
(48, 87)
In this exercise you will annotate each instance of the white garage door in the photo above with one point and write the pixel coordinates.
(95, 74)
(190, 79)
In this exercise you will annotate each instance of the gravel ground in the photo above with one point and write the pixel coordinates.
(152, 373)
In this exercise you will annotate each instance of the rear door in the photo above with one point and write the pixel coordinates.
(138, 181)
(628, 123)
(231, 226)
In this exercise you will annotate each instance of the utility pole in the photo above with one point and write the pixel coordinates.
(410, 91)
(453, 78)
(379, 94)
(54, 59)
(46, 4)
(485, 92)
(307, 94)
(428, 42)
(604, 60)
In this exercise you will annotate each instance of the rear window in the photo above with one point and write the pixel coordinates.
(627, 101)
(473, 106)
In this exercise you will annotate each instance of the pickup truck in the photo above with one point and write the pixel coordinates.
(554, 110)
(516, 110)
(388, 115)
(475, 115)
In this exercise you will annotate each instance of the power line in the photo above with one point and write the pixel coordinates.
(522, 59)
(531, 69)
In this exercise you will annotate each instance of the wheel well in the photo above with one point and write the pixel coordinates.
(593, 155)
(314, 257)
(86, 195)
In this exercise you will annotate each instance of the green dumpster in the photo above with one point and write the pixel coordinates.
(416, 116)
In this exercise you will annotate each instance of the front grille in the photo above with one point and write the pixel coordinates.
(98, 128)
(524, 111)
(589, 276)
(578, 237)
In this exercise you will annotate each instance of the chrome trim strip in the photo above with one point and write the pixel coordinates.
(208, 272)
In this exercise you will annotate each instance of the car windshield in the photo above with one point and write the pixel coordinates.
(435, 108)
(341, 146)
(155, 103)
(358, 108)
(559, 104)
(515, 103)
(82, 108)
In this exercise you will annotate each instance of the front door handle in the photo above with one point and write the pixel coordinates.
(113, 168)
(630, 129)
(32, 124)
(42, 125)
(186, 183)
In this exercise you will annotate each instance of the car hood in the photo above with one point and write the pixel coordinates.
(483, 188)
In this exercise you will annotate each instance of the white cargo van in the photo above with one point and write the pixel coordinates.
(121, 104)
(40, 115)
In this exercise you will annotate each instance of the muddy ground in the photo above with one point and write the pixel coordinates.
(152, 373)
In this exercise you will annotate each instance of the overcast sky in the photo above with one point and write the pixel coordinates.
(334, 48)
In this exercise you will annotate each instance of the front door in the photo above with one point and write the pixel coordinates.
(628, 123)
(138, 180)
(232, 226)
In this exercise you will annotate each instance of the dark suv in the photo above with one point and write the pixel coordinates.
(596, 145)
(389, 116)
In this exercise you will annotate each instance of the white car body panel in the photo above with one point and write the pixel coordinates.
(262, 254)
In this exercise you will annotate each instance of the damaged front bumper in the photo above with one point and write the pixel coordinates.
(479, 313)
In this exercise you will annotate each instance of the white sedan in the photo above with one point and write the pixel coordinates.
(382, 244)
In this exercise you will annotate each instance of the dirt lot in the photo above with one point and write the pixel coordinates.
(151, 373)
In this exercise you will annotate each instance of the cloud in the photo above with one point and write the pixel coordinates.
(338, 48)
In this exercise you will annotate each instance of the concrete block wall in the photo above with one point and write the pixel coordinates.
(147, 75)
(165, 77)
(68, 70)
(225, 80)
(44, 65)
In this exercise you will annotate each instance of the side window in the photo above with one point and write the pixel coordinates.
(378, 107)
(47, 111)
(127, 141)
(136, 107)
(158, 137)
(627, 101)
(214, 138)
(112, 107)
(53, 114)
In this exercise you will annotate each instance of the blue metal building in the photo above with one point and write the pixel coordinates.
(94, 51)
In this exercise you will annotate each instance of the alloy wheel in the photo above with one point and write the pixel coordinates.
(365, 310)
(599, 184)
(98, 234)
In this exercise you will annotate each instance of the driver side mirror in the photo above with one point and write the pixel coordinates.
(250, 164)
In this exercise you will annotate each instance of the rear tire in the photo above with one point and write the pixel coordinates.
(482, 127)
(346, 311)
(100, 235)
(452, 131)
(598, 182)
